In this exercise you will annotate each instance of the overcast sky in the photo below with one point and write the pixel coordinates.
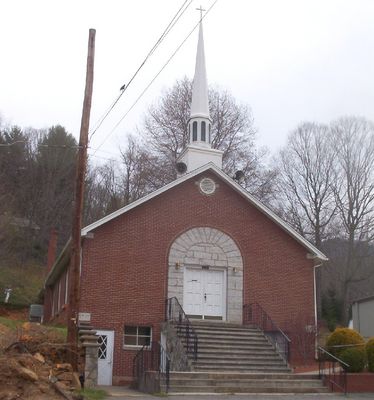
(289, 60)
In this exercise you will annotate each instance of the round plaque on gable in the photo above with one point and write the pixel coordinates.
(207, 186)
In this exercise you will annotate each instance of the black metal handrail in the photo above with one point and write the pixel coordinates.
(254, 314)
(332, 370)
(151, 358)
(175, 313)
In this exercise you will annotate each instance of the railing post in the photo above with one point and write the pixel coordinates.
(335, 378)
(183, 326)
(319, 364)
(167, 375)
(188, 337)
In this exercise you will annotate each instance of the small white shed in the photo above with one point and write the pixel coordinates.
(363, 316)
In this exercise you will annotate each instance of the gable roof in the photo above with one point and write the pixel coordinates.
(234, 185)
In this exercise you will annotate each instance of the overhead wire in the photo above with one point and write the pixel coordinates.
(102, 151)
(41, 145)
(12, 144)
(102, 158)
(52, 146)
(166, 31)
(61, 146)
(154, 78)
(169, 27)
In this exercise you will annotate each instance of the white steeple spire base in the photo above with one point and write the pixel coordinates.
(196, 156)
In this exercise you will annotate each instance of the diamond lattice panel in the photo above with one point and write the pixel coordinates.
(103, 342)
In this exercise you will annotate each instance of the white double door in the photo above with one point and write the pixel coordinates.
(105, 357)
(204, 294)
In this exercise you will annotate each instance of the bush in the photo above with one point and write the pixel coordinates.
(370, 354)
(355, 357)
(341, 337)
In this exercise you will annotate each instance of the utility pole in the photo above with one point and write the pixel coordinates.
(74, 267)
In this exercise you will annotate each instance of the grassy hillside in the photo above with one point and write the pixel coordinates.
(25, 282)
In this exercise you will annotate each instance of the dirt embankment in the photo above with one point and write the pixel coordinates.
(33, 364)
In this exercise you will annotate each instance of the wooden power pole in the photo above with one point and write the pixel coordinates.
(74, 268)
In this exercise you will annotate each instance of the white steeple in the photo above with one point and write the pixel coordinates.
(199, 152)
(200, 104)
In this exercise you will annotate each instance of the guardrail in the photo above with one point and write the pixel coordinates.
(332, 370)
(175, 313)
(151, 358)
(254, 314)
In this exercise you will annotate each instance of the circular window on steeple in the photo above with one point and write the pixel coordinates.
(207, 186)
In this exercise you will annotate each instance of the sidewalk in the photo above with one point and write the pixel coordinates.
(123, 393)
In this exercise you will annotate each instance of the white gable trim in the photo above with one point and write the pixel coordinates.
(210, 166)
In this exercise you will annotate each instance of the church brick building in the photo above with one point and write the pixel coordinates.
(202, 239)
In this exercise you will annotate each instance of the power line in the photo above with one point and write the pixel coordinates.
(12, 143)
(102, 158)
(154, 78)
(102, 151)
(66, 146)
(158, 42)
(62, 146)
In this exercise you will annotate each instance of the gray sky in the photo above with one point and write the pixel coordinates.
(289, 60)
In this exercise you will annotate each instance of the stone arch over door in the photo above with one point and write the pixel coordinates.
(201, 247)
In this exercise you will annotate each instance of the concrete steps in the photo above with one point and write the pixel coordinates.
(208, 382)
(232, 347)
(238, 359)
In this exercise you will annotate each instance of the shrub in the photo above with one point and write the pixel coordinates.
(341, 337)
(370, 354)
(355, 357)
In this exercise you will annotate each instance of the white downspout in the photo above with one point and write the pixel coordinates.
(315, 308)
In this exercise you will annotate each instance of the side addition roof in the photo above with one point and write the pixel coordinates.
(234, 185)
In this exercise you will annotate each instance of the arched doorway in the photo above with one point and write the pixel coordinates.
(206, 275)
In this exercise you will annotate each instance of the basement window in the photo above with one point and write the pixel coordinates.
(137, 336)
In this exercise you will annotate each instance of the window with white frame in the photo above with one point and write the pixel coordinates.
(137, 336)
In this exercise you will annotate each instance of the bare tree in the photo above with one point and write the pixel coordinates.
(326, 191)
(165, 132)
(103, 193)
(306, 173)
(165, 124)
(353, 139)
(136, 172)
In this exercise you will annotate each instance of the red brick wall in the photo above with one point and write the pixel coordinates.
(362, 382)
(55, 309)
(47, 312)
(124, 271)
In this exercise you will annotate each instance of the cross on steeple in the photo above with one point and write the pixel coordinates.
(201, 9)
